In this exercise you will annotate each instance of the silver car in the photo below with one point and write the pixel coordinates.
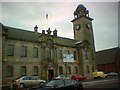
(26, 81)
(61, 77)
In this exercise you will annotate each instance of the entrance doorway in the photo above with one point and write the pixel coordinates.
(50, 74)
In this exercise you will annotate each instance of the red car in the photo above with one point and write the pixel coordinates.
(78, 77)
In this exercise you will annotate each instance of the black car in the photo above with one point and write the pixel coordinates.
(59, 84)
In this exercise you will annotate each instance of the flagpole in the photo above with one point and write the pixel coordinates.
(47, 19)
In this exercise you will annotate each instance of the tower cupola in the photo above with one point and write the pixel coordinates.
(81, 11)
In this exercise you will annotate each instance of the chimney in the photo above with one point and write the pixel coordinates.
(36, 28)
(55, 32)
(43, 31)
(48, 31)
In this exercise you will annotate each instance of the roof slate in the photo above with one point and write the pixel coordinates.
(26, 35)
(107, 56)
(21, 34)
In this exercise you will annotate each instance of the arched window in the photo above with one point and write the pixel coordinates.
(48, 53)
(75, 55)
(60, 70)
(69, 70)
(93, 68)
(88, 70)
(23, 71)
(76, 70)
(59, 54)
(35, 71)
(9, 71)
(85, 53)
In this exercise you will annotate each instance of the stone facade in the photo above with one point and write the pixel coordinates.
(44, 54)
(83, 33)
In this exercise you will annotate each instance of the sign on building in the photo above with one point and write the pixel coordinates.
(68, 58)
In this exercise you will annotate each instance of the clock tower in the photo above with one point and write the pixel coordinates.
(83, 34)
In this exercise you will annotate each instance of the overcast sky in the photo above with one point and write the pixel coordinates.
(26, 15)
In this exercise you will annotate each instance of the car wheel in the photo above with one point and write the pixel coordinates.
(22, 85)
(41, 83)
(98, 77)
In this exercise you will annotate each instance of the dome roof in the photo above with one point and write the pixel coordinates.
(80, 7)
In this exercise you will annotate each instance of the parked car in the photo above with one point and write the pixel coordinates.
(112, 74)
(26, 81)
(60, 77)
(99, 74)
(78, 77)
(59, 84)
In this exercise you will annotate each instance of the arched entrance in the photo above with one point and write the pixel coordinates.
(50, 74)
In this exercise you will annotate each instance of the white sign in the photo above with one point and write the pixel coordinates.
(68, 57)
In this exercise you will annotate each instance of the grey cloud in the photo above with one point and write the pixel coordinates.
(26, 15)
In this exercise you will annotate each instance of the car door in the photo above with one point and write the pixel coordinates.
(34, 81)
(64, 84)
(68, 84)
(71, 84)
(26, 81)
(59, 85)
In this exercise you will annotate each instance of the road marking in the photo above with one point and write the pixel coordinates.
(94, 82)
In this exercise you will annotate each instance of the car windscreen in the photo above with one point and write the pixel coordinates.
(55, 83)
(69, 82)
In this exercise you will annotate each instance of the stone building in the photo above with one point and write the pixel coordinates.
(46, 54)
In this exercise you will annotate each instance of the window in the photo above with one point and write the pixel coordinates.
(88, 71)
(68, 52)
(35, 52)
(59, 54)
(75, 56)
(69, 70)
(48, 54)
(35, 71)
(69, 82)
(58, 83)
(9, 71)
(60, 70)
(76, 70)
(23, 51)
(85, 53)
(26, 78)
(92, 68)
(23, 71)
(10, 50)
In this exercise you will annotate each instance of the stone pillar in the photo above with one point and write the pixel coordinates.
(55, 61)
(43, 63)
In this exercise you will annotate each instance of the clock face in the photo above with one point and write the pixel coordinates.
(88, 25)
(77, 26)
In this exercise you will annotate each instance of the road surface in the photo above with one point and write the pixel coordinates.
(102, 83)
